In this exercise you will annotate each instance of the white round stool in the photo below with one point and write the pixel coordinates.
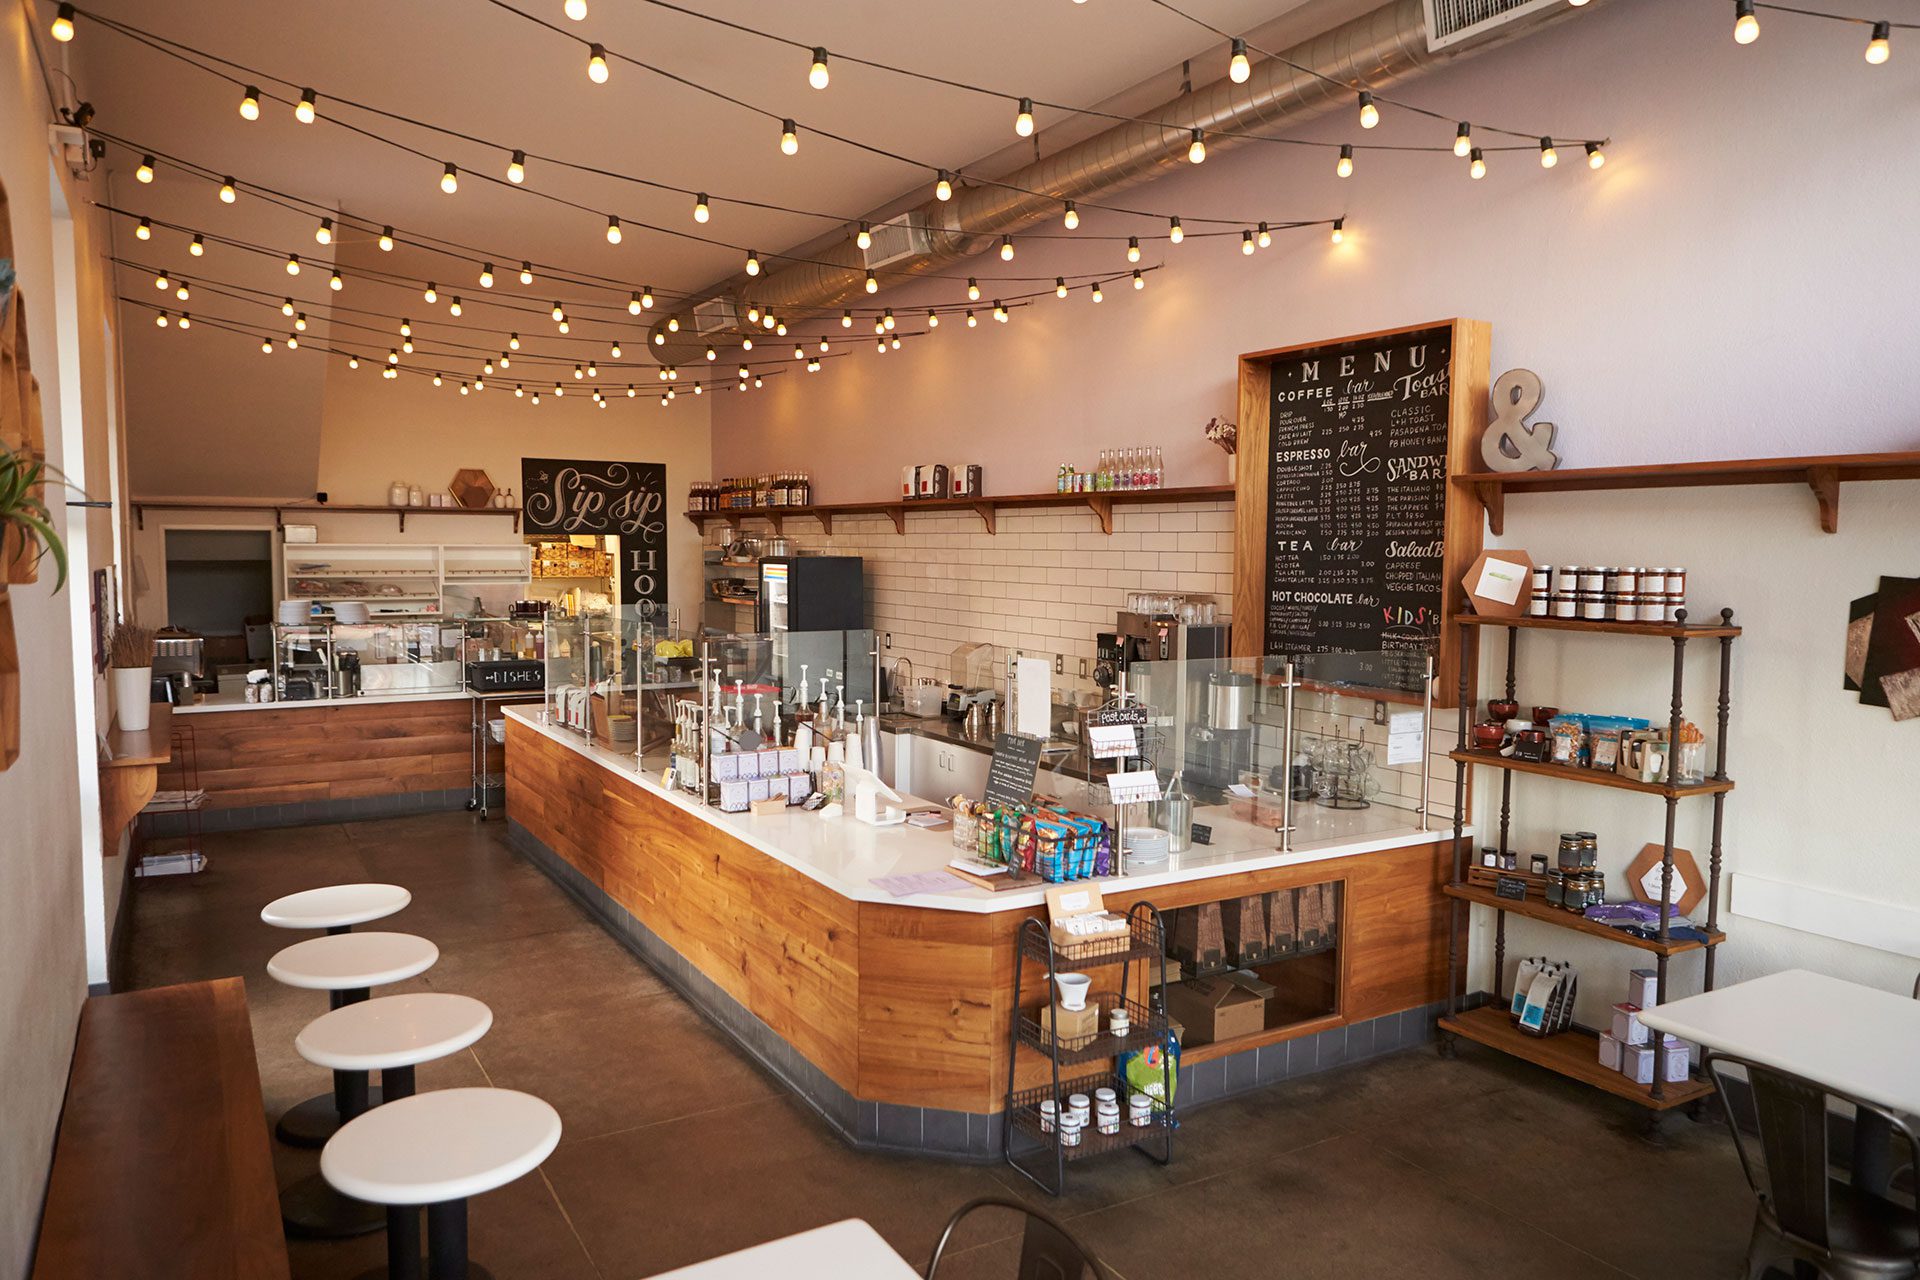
(436, 1149)
(345, 966)
(336, 907)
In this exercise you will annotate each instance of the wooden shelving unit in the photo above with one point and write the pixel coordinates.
(282, 510)
(1823, 475)
(987, 508)
(1574, 1053)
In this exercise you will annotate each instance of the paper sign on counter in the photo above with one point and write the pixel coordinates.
(920, 882)
(1132, 787)
(1112, 741)
(1406, 733)
(1033, 696)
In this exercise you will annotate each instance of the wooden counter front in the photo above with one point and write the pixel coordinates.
(903, 1004)
(295, 752)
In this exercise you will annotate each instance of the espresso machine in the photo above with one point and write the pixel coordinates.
(1185, 659)
(1219, 748)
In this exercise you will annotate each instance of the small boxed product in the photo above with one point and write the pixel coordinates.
(1679, 1058)
(799, 787)
(1636, 1063)
(726, 767)
(759, 788)
(770, 762)
(749, 763)
(790, 761)
(1627, 1027)
(735, 796)
(1215, 1008)
(1609, 1051)
(1643, 988)
(1074, 1024)
(1078, 916)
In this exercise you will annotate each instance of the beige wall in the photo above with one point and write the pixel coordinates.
(57, 893)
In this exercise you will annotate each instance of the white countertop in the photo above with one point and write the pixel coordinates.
(846, 855)
(238, 702)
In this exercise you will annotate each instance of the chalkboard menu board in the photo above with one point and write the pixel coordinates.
(1356, 478)
(624, 499)
(1016, 761)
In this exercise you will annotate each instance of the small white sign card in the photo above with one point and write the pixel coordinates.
(1133, 786)
(1405, 733)
(1112, 741)
(1650, 884)
(1500, 580)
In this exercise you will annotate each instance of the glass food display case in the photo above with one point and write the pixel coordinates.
(348, 660)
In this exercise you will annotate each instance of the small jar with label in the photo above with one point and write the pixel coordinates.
(1593, 604)
(1049, 1114)
(1539, 603)
(1626, 607)
(1653, 582)
(1107, 1117)
(1593, 579)
(1564, 605)
(1070, 1125)
(1556, 888)
(1140, 1110)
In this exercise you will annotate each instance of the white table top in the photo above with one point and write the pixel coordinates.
(849, 1250)
(346, 961)
(335, 905)
(1856, 1040)
(443, 1145)
(393, 1031)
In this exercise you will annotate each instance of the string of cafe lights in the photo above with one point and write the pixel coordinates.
(306, 110)
(1746, 25)
(1239, 70)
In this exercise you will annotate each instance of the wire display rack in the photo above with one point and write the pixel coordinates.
(169, 824)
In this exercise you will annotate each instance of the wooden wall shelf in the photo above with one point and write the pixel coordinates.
(1658, 630)
(1824, 475)
(281, 510)
(1592, 777)
(131, 773)
(987, 508)
(1533, 909)
(1574, 1054)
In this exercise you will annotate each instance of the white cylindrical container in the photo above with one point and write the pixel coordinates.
(1109, 1117)
(1140, 1110)
(1070, 1126)
(1049, 1114)
(133, 697)
(1080, 1107)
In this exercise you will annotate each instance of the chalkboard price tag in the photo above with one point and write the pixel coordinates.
(1118, 715)
(1016, 761)
(1202, 833)
(1510, 887)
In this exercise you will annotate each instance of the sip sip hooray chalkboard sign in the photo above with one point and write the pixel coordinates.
(625, 499)
(1348, 538)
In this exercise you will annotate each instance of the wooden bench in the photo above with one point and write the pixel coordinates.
(162, 1166)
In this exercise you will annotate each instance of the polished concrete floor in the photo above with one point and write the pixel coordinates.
(677, 1147)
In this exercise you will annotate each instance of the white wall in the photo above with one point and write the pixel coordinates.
(1736, 282)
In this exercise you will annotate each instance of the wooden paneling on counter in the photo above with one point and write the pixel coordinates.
(293, 753)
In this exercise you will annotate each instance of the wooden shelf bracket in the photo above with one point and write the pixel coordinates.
(1825, 483)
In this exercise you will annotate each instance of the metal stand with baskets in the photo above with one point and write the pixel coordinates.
(1035, 1029)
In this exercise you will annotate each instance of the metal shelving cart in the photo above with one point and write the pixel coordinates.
(1145, 942)
(1573, 1053)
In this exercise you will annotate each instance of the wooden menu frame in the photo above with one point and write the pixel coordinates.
(1463, 521)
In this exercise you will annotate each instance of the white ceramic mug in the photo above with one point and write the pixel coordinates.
(1073, 988)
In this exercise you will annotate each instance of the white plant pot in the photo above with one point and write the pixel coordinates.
(132, 696)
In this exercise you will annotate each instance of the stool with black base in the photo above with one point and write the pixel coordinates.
(434, 1150)
(345, 966)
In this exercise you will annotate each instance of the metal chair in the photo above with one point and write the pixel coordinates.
(1047, 1251)
(1844, 1231)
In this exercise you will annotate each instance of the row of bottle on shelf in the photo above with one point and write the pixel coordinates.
(1139, 467)
(735, 493)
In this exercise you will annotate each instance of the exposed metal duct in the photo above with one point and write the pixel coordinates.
(1376, 49)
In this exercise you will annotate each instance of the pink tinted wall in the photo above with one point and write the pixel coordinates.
(1735, 281)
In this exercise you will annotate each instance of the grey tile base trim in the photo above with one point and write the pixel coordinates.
(952, 1135)
(314, 812)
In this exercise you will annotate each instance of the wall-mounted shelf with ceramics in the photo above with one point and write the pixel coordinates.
(987, 508)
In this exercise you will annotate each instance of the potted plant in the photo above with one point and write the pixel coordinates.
(26, 525)
(130, 654)
(1227, 436)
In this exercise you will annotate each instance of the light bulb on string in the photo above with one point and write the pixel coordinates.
(1880, 48)
(526, 273)
(1746, 27)
(789, 137)
(933, 318)
(143, 230)
(386, 239)
(873, 283)
(1339, 231)
(161, 320)
(293, 264)
(943, 187)
(1139, 281)
(813, 366)
(505, 361)
(286, 308)
(712, 354)
(575, 9)
(450, 179)
(1071, 218)
(293, 342)
(1246, 243)
(613, 230)
(513, 342)
(559, 312)
(1369, 114)
(1344, 165)
(746, 343)
(759, 382)
(973, 289)
(182, 292)
(436, 382)
(864, 238)
(846, 319)
(323, 234)
(973, 321)
(266, 346)
(1596, 155)
(227, 193)
(517, 168)
(753, 313)
(1175, 232)
(799, 352)
(1023, 118)
(486, 275)
(486, 366)
(701, 213)
(753, 262)
(1239, 70)
(1463, 140)
(817, 73)
(879, 326)
(593, 370)
(999, 311)
(62, 28)
(198, 248)
(1197, 148)
(305, 110)
(1478, 167)
(1006, 248)
(597, 64)
(250, 104)
(453, 308)
(335, 282)
(894, 342)
(1097, 295)
(145, 172)
(164, 282)
(430, 293)
(406, 345)
(300, 321)
(353, 362)
(1059, 286)
(1265, 237)
(186, 321)
(566, 326)
(1133, 248)
(673, 324)
(633, 304)
(888, 320)
(1548, 156)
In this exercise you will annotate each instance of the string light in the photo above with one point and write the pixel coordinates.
(161, 320)
(1548, 156)
(846, 319)
(1175, 232)
(799, 352)
(386, 239)
(1463, 140)
(186, 321)
(182, 293)
(1246, 243)
(163, 281)
(1006, 248)
(943, 188)
(453, 308)
(143, 230)
(305, 110)
(894, 342)
(1239, 70)
(293, 342)
(887, 319)
(199, 246)
(753, 262)
(646, 296)
(526, 273)
(266, 346)
(433, 295)
(293, 264)
(1071, 218)
(227, 194)
(789, 137)
(559, 312)
(286, 308)
(1197, 148)
(62, 28)
(873, 283)
(145, 172)
(513, 342)
(1746, 27)
(323, 234)
(1879, 48)
(865, 237)
(1344, 166)
(250, 104)
(933, 322)
(1369, 114)
(300, 321)
(597, 64)
(1265, 238)
(700, 210)
(353, 362)
(575, 9)
(1596, 155)
(999, 311)
(1139, 281)
(1097, 295)
(1059, 286)
(1478, 167)
(450, 180)
(613, 230)
(973, 321)
(973, 289)
(334, 282)
(1023, 120)
(486, 275)
(1339, 232)
(673, 324)
(517, 168)
(753, 313)
(817, 73)
(593, 370)
(1133, 248)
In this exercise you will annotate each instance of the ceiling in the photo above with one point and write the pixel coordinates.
(476, 67)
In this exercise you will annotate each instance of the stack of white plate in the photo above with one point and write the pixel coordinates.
(1147, 847)
(354, 611)
(295, 613)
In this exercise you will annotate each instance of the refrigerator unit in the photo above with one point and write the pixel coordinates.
(811, 593)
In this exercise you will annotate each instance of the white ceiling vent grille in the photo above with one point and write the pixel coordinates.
(903, 237)
(715, 315)
(1451, 21)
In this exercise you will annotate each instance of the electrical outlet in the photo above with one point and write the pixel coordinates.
(1059, 664)
(889, 640)
(1083, 668)
(1379, 713)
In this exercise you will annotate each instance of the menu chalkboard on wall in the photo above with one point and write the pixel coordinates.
(624, 499)
(1347, 542)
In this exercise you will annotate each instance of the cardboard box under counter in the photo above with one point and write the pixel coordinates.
(1216, 1008)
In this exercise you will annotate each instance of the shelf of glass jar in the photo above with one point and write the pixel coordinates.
(1100, 502)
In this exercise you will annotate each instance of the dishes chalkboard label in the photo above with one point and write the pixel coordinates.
(624, 499)
(1357, 500)
(1016, 762)
(1202, 833)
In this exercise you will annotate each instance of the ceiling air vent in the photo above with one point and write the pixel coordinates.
(903, 237)
(1449, 22)
(714, 315)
